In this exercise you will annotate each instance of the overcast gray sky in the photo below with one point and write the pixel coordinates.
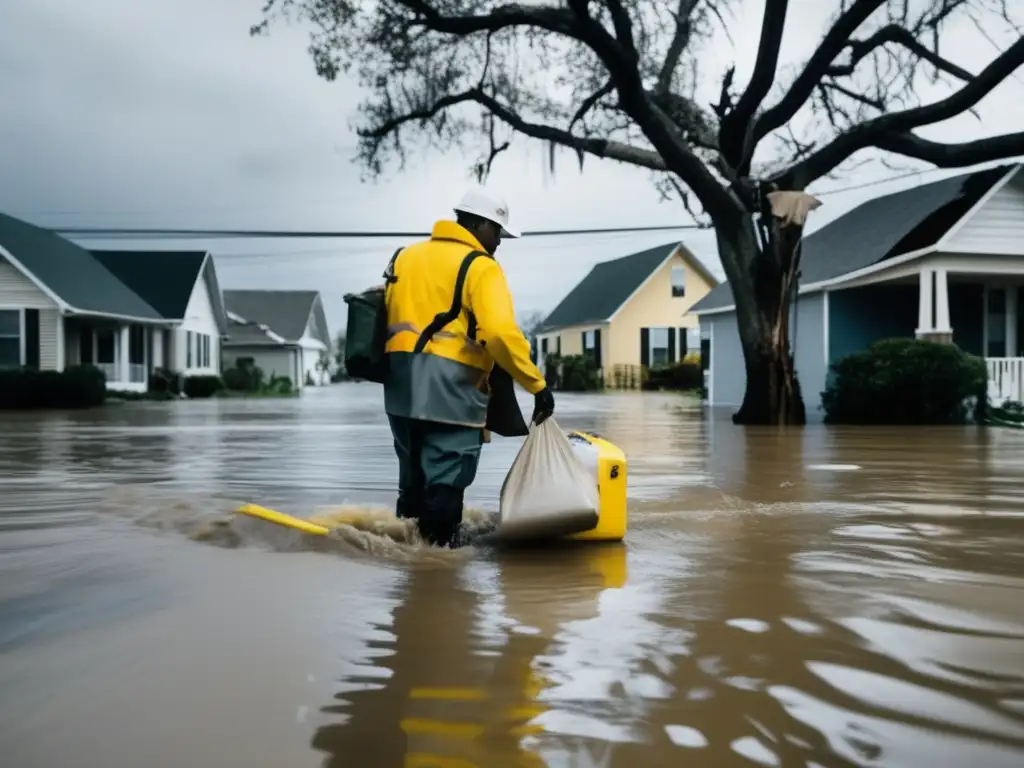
(166, 113)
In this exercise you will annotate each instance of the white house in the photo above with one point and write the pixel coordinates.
(941, 261)
(284, 333)
(126, 312)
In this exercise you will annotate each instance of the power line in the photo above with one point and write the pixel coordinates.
(252, 234)
(243, 209)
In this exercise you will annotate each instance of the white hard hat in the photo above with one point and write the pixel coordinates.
(478, 202)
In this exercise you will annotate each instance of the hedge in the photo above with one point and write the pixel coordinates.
(572, 373)
(684, 375)
(80, 386)
(906, 381)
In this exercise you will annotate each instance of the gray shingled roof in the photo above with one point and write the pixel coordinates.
(71, 272)
(248, 334)
(286, 313)
(882, 228)
(605, 288)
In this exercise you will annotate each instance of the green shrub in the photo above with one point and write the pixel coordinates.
(279, 385)
(164, 380)
(246, 376)
(202, 386)
(80, 386)
(685, 375)
(572, 373)
(905, 381)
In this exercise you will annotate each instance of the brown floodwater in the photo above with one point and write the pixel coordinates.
(822, 597)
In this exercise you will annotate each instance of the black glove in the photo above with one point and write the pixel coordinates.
(543, 405)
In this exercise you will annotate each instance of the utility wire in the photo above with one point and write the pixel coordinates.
(105, 232)
(245, 209)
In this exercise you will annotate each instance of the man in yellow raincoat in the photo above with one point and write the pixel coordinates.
(445, 334)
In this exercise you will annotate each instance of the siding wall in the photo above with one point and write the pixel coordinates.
(199, 319)
(272, 360)
(18, 292)
(807, 334)
(998, 226)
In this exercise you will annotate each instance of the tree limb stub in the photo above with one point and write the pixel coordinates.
(875, 132)
(612, 150)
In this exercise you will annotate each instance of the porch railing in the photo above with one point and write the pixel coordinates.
(1005, 379)
(109, 370)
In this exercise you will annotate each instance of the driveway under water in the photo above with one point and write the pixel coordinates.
(822, 597)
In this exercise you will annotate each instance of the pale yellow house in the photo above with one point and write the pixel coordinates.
(630, 313)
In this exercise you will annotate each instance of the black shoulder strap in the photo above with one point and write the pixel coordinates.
(389, 272)
(443, 318)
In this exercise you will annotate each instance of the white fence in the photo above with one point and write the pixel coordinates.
(1005, 379)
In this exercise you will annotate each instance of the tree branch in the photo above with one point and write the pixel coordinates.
(736, 135)
(680, 39)
(831, 46)
(612, 150)
(954, 155)
(873, 132)
(894, 33)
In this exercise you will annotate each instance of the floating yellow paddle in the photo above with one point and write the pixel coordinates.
(282, 519)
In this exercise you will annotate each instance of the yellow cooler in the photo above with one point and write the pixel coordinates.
(608, 466)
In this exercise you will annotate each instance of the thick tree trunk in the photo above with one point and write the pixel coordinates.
(763, 283)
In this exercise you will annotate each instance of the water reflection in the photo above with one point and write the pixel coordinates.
(466, 686)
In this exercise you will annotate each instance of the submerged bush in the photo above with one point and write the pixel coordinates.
(684, 375)
(572, 373)
(905, 381)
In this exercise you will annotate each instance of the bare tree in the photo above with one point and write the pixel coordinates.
(530, 322)
(619, 79)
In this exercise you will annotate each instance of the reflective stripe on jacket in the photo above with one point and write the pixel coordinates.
(447, 382)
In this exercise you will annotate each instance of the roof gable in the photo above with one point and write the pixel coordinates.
(286, 313)
(606, 288)
(163, 279)
(70, 272)
(882, 228)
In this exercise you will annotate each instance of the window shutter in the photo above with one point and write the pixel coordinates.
(32, 338)
(684, 344)
(597, 348)
(645, 347)
(558, 345)
(671, 333)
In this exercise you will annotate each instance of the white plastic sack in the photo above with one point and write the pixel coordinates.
(547, 492)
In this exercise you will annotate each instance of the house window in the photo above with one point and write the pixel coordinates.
(678, 281)
(188, 349)
(592, 346)
(543, 349)
(204, 361)
(659, 340)
(10, 338)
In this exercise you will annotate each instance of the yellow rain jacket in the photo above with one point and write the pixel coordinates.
(447, 381)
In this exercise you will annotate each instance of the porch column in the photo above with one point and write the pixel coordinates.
(933, 306)
(123, 356)
(157, 345)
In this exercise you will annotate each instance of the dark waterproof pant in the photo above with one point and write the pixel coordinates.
(436, 463)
